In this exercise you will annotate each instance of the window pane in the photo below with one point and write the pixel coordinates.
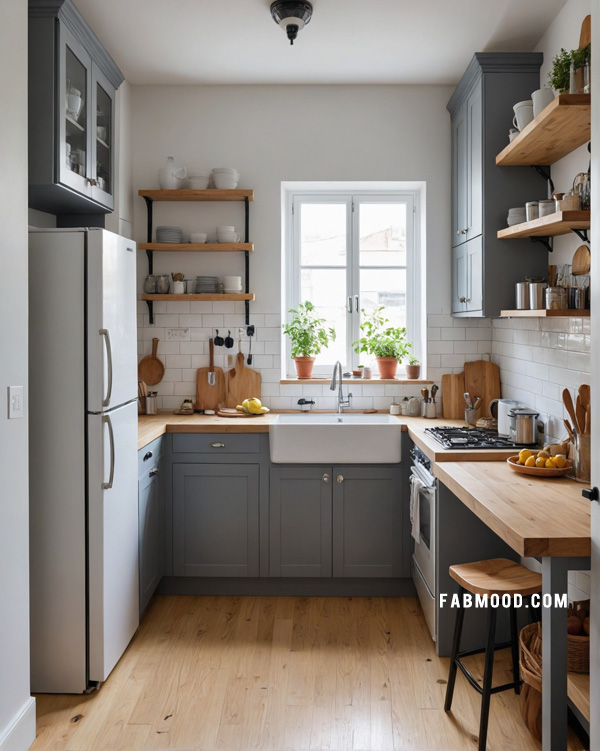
(385, 287)
(382, 228)
(323, 234)
(326, 289)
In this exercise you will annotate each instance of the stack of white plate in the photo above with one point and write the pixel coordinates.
(516, 216)
(166, 234)
(207, 284)
(225, 178)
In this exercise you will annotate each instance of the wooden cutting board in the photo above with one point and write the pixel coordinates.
(482, 378)
(150, 368)
(453, 399)
(242, 383)
(207, 396)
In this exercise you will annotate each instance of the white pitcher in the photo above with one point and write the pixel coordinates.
(171, 177)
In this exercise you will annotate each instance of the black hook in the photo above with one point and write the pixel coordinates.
(229, 340)
(219, 341)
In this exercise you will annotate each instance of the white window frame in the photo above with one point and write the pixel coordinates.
(353, 195)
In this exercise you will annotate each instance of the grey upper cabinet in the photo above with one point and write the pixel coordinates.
(215, 519)
(151, 521)
(300, 521)
(485, 269)
(72, 84)
(367, 521)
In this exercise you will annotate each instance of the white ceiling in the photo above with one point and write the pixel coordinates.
(346, 42)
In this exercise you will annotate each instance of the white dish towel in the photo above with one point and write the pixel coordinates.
(416, 484)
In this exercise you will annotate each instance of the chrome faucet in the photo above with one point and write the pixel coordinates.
(337, 368)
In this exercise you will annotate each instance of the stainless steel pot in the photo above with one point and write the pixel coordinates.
(523, 425)
(522, 295)
(537, 293)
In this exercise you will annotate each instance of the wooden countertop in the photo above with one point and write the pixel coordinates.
(151, 427)
(535, 516)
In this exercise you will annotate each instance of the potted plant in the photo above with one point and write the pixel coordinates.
(308, 337)
(413, 368)
(387, 343)
(559, 76)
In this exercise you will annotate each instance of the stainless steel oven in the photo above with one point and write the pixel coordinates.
(424, 489)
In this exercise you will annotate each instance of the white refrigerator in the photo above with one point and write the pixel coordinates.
(82, 457)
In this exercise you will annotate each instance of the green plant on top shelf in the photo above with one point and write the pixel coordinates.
(559, 76)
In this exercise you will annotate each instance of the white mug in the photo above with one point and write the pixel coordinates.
(232, 282)
(523, 114)
(178, 288)
(541, 99)
(73, 105)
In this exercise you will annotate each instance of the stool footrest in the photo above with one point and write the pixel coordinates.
(481, 650)
(476, 685)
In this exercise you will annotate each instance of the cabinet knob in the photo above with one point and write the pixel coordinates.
(326, 477)
(153, 472)
(340, 479)
(217, 445)
(458, 232)
(148, 455)
(464, 231)
(92, 182)
(462, 299)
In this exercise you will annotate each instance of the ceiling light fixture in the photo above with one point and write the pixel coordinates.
(291, 15)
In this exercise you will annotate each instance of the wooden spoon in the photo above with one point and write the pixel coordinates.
(580, 412)
(569, 430)
(568, 402)
(585, 394)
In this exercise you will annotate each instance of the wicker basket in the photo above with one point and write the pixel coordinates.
(530, 659)
(578, 647)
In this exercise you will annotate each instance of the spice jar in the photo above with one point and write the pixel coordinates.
(556, 298)
(151, 403)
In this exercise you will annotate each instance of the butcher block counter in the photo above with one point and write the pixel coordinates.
(153, 426)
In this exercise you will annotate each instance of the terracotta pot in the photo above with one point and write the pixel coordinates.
(387, 367)
(413, 372)
(304, 366)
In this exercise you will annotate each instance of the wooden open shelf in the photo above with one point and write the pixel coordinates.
(559, 223)
(569, 313)
(563, 126)
(578, 690)
(207, 297)
(202, 248)
(197, 195)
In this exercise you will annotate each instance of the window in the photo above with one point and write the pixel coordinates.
(352, 251)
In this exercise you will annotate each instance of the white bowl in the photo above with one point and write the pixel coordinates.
(235, 291)
(224, 182)
(230, 170)
(231, 237)
(198, 183)
(225, 228)
(198, 237)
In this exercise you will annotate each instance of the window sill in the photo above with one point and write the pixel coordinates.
(373, 381)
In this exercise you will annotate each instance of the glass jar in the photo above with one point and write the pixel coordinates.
(151, 403)
(162, 284)
(150, 284)
(556, 298)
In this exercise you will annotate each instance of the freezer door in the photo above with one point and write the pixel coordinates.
(111, 320)
(113, 537)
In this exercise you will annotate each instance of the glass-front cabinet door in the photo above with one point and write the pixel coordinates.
(102, 139)
(74, 109)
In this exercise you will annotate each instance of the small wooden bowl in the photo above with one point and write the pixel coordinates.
(538, 471)
(357, 373)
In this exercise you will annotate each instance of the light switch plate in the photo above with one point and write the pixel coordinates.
(178, 335)
(15, 402)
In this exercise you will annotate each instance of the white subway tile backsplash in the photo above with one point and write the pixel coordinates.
(178, 361)
(199, 307)
(453, 334)
(441, 348)
(176, 308)
(440, 320)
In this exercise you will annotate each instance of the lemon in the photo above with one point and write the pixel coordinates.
(540, 462)
(253, 405)
(524, 454)
(550, 464)
(530, 461)
(560, 462)
(543, 455)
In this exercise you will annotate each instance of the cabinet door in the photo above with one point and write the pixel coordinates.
(474, 198)
(300, 521)
(459, 177)
(367, 521)
(459, 279)
(74, 160)
(215, 519)
(150, 511)
(475, 274)
(102, 139)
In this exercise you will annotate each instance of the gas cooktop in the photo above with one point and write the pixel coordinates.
(471, 438)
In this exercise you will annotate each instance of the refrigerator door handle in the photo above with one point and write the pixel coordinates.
(108, 485)
(106, 335)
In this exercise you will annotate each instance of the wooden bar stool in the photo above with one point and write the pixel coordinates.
(495, 576)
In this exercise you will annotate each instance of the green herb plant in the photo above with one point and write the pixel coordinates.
(559, 76)
(412, 360)
(379, 338)
(307, 334)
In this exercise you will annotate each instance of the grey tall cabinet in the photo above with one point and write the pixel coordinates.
(484, 268)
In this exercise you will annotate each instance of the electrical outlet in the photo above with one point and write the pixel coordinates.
(178, 335)
(15, 402)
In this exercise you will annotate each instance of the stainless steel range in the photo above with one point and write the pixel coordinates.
(471, 438)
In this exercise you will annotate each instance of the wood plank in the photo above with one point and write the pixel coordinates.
(482, 378)
(453, 399)
(225, 297)
(535, 516)
(365, 381)
(578, 689)
(196, 247)
(545, 313)
(559, 223)
(187, 194)
(561, 127)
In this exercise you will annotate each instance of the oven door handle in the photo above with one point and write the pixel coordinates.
(430, 482)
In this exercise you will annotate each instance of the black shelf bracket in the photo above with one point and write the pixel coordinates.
(545, 173)
(247, 256)
(582, 234)
(545, 241)
(149, 254)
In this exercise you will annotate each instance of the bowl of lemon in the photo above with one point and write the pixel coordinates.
(540, 463)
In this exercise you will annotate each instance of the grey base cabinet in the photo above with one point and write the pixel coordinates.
(340, 521)
(215, 519)
(151, 521)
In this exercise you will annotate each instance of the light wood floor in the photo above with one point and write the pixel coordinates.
(281, 673)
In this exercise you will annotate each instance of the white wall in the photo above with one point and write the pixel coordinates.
(275, 134)
(17, 709)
